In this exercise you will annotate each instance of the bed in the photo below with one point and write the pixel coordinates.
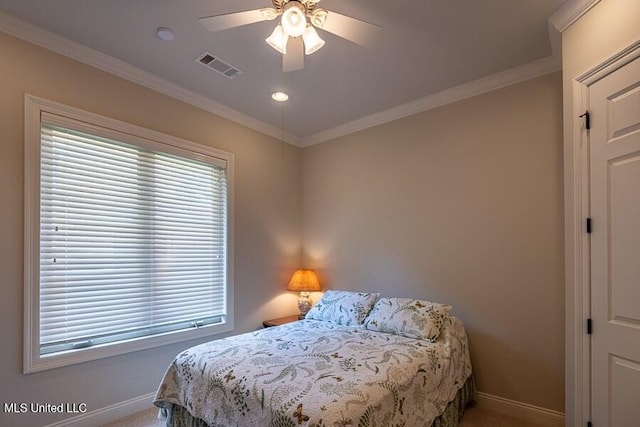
(326, 370)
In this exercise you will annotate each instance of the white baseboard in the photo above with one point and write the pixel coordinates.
(522, 411)
(108, 413)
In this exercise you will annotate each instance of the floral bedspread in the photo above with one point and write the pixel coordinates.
(314, 373)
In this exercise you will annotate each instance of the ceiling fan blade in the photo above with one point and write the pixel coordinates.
(293, 60)
(237, 19)
(352, 29)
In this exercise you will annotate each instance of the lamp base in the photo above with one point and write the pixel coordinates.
(304, 304)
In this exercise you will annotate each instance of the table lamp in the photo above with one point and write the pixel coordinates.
(304, 281)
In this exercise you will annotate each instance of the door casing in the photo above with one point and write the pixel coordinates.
(577, 258)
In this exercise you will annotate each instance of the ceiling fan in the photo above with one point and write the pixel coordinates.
(295, 35)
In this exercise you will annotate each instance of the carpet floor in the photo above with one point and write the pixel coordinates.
(473, 417)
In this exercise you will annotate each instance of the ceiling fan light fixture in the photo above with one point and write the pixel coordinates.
(312, 41)
(278, 39)
(294, 20)
(298, 20)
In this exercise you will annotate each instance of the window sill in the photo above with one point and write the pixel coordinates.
(34, 362)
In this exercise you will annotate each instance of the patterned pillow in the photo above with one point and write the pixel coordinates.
(411, 318)
(343, 307)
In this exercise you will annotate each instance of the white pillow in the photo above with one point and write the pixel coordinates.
(408, 317)
(343, 307)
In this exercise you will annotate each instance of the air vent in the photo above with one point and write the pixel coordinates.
(218, 65)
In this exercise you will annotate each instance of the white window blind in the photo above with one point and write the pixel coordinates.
(133, 241)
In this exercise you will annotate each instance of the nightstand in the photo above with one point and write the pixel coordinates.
(280, 321)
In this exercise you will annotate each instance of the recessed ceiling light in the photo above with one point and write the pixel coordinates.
(164, 33)
(279, 96)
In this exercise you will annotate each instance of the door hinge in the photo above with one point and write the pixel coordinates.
(589, 424)
(589, 225)
(587, 119)
(589, 326)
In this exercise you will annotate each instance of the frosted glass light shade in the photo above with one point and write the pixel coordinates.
(293, 20)
(278, 40)
(312, 41)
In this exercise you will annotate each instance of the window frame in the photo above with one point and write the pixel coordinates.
(35, 107)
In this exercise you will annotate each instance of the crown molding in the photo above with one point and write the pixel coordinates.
(570, 12)
(555, 40)
(458, 93)
(58, 44)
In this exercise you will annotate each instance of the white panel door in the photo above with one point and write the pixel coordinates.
(615, 247)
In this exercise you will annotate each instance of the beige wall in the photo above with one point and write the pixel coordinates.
(267, 221)
(604, 31)
(462, 205)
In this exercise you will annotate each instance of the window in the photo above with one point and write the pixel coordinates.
(127, 237)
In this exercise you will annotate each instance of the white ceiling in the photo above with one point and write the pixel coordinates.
(426, 47)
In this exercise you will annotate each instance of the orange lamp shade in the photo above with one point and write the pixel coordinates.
(304, 280)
